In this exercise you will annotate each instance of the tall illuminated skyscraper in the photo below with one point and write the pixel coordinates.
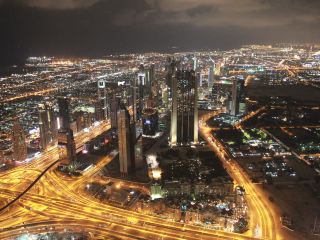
(19, 145)
(1, 157)
(64, 118)
(138, 94)
(150, 121)
(47, 125)
(124, 137)
(184, 114)
(235, 98)
(101, 107)
(114, 105)
(211, 78)
(71, 147)
(171, 66)
(195, 63)
(64, 113)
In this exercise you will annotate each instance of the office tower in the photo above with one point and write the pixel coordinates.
(19, 145)
(151, 74)
(195, 111)
(71, 147)
(1, 157)
(64, 114)
(149, 80)
(115, 105)
(165, 97)
(149, 121)
(170, 69)
(139, 92)
(235, 98)
(195, 63)
(201, 80)
(174, 112)
(184, 114)
(211, 78)
(217, 69)
(101, 107)
(47, 126)
(124, 138)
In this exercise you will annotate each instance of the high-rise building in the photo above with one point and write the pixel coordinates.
(124, 137)
(210, 78)
(64, 114)
(47, 126)
(152, 74)
(115, 106)
(149, 79)
(71, 147)
(171, 66)
(101, 106)
(150, 121)
(201, 80)
(195, 63)
(19, 145)
(138, 95)
(184, 114)
(1, 157)
(235, 98)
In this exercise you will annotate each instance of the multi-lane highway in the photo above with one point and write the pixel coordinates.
(61, 202)
(262, 215)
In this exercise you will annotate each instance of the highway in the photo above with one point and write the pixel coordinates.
(61, 202)
(260, 209)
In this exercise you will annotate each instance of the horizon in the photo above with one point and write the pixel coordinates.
(96, 27)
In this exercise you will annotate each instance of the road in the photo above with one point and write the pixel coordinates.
(261, 211)
(56, 201)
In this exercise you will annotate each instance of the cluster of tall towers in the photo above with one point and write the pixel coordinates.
(130, 129)
(48, 133)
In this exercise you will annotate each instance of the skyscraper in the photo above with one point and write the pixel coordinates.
(1, 157)
(71, 147)
(19, 145)
(101, 107)
(124, 137)
(149, 80)
(171, 66)
(138, 94)
(210, 77)
(150, 121)
(195, 63)
(115, 105)
(235, 98)
(47, 125)
(184, 114)
(64, 114)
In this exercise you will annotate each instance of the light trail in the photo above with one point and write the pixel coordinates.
(261, 210)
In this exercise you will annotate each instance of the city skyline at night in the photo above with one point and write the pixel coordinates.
(160, 119)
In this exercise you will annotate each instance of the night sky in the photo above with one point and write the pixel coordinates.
(99, 27)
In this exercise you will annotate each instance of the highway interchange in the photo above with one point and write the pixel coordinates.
(56, 202)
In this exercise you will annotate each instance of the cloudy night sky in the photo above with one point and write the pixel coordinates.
(99, 27)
